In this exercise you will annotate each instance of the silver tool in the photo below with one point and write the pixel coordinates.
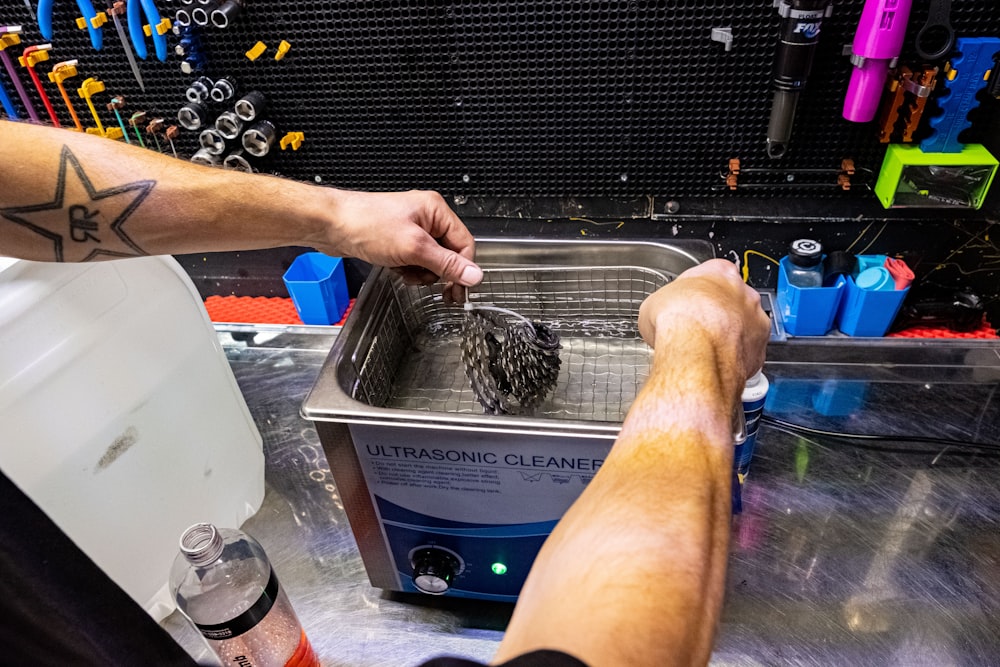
(116, 8)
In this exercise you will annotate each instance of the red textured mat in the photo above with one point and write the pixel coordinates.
(984, 331)
(277, 310)
(256, 310)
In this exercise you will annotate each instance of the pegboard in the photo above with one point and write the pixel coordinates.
(618, 98)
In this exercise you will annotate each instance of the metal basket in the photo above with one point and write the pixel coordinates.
(401, 351)
(594, 311)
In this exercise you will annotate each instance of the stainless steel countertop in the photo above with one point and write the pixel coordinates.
(845, 554)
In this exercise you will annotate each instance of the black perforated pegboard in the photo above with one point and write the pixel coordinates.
(619, 98)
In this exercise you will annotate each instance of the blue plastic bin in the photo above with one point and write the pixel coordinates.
(868, 312)
(318, 287)
(806, 311)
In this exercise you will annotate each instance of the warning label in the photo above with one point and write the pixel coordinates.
(435, 476)
(480, 478)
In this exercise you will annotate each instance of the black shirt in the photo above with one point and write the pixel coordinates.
(543, 658)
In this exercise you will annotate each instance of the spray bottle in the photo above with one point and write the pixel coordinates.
(753, 397)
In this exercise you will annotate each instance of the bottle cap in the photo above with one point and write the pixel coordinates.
(755, 379)
(805, 252)
(875, 278)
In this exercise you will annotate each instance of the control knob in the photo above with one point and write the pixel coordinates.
(434, 569)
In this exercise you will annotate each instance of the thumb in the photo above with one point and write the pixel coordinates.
(453, 267)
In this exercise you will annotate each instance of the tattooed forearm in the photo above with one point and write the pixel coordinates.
(80, 223)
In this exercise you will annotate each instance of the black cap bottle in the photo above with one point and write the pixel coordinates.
(805, 263)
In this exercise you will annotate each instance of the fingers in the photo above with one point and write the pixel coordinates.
(712, 293)
(450, 265)
(745, 308)
(721, 268)
(448, 248)
(414, 231)
(759, 333)
(447, 228)
(415, 275)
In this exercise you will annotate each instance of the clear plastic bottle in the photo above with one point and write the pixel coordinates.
(223, 582)
(805, 263)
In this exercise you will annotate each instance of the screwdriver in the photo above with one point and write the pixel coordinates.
(116, 9)
(800, 28)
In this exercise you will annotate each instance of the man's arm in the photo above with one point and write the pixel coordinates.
(74, 197)
(633, 574)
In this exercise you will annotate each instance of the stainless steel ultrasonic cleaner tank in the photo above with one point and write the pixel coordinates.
(441, 497)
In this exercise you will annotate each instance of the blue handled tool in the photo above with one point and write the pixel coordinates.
(157, 28)
(92, 20)
(8, 105)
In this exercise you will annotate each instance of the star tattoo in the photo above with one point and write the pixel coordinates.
(82, 222)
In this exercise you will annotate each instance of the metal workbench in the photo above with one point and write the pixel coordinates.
(846, 553)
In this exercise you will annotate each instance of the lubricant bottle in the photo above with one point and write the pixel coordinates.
(224, 583)
(805, 263)
(754, 394)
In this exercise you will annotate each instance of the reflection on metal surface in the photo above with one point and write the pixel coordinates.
(865, 610)
(843, 555)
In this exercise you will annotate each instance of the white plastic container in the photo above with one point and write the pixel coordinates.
(119, 414)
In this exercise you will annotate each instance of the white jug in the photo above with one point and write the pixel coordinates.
(119, 414)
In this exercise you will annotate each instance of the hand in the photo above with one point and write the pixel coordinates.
(713, 299)
(414, 232)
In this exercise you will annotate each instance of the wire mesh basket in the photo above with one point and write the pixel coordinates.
(409, 355)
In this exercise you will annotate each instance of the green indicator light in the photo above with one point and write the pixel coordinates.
(498, 568)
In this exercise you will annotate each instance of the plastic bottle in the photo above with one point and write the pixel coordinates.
(224, 583)
(805, 263)
(754, 394)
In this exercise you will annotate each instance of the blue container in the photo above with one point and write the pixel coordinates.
(318, 287)
(867, 312)
(806, 311)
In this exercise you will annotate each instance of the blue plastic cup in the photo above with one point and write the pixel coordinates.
(806, 311)
(318, 287)
(871, 300)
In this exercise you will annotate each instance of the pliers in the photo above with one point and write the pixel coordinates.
(157, 27)
(92, 20)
